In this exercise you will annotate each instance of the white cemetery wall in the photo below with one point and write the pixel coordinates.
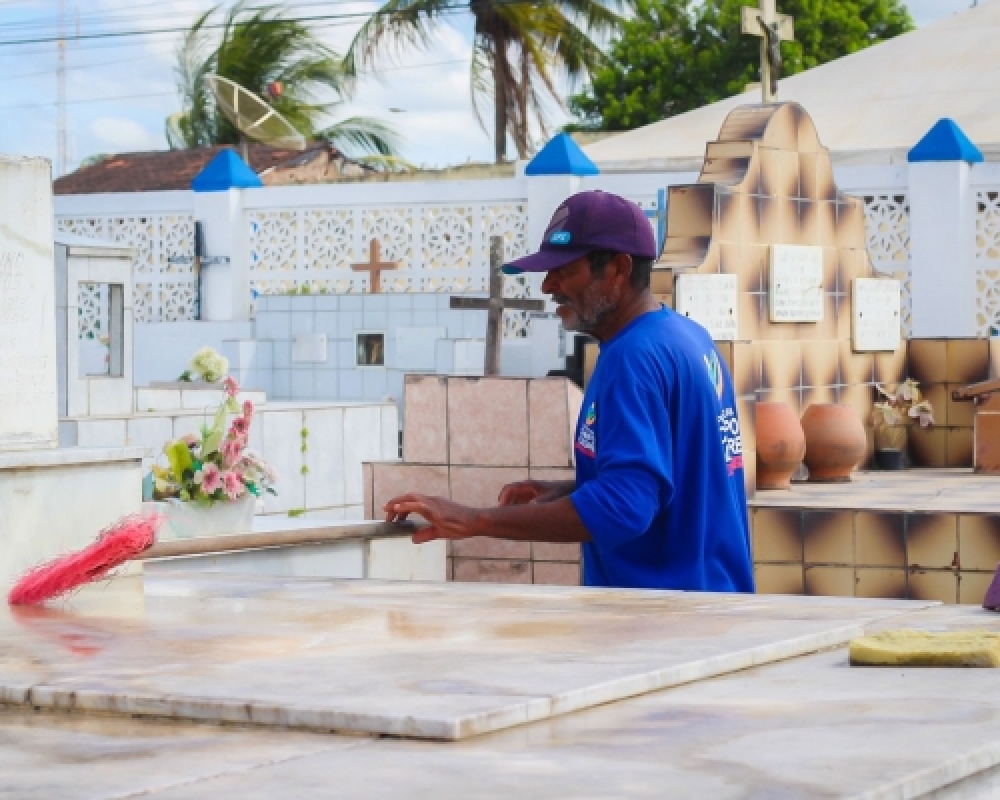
(162, 351)
(28, 386)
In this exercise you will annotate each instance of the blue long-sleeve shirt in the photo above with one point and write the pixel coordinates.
(659, 463)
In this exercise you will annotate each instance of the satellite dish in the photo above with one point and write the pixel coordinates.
(252, 116)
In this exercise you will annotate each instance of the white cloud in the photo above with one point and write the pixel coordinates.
(122, 134)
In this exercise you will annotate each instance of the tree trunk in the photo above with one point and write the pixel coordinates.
(500, 78)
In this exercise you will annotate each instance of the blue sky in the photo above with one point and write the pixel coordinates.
(121, 90)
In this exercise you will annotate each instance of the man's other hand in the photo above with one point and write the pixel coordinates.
(446, 520)
(524, 492)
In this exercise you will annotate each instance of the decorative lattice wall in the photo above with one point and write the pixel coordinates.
(165, 288)
(440, 248)
(987, 261)
(887, 228)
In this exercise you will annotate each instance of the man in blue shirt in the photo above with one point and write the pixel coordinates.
(658, 501)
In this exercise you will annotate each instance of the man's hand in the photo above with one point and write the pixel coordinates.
(524, 492)
(446, 520)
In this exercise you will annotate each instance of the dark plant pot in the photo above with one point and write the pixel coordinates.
(889, 460)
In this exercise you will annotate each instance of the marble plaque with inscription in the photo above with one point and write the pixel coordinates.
(710, 300)
(877, 315)
(796, 283)
(28, 393)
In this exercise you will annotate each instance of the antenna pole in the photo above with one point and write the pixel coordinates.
(244, 154)
(61, 89)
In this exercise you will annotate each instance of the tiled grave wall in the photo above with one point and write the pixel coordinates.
(768, 181)
(465, 438)
(940, 366)
(279, 319)
(948, 557)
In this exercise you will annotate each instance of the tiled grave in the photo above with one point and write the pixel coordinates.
(928, 534)
(437, 661)
(465, 438)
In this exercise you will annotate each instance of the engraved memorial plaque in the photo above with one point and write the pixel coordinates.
(796, 283)
(876, 315)
(28, 393)
(711, 301)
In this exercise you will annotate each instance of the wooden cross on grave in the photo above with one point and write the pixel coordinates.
(773, 29)
(375, 266)
(495, 305)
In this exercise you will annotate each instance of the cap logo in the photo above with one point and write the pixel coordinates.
(560, 237)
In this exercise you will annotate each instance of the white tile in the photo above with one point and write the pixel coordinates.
(309, 348)
(324, 483)
(394, 385)
(101, 433)
(279, 302)
(157, 399)
(110, 396)
(281, 440)
(207, 400)
(272, 325)
(399, 301)
(362, 442)
(303, 384)
(282, 354)
(375, 320)
(350, 384)
(325, 303)
(425, 318)
(473, 324)
(444, 357)
(374, 302)
(301, 302)
(189, 423)
(281, 384)
(347, 353)
(350, 302)
(390, 433)
(354, 513)
(425, 301)
(302, 322)
(153, 432)
(328, 322)
(373, 384)
(327, 385)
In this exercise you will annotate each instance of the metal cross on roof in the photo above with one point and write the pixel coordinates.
(495, 306)
(773, 28)
(375, 266)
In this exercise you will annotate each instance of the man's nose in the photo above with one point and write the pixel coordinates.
(550, 283)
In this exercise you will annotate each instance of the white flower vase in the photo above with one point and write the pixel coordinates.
(191, 521)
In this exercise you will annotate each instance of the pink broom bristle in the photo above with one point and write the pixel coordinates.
(115, 545)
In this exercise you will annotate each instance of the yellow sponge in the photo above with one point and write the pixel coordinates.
(905, 648)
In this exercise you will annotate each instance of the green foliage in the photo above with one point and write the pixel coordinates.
(257, 45)
(676, 55)
(517, 50)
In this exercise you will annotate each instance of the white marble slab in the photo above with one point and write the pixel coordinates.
(876, 316)
(438, 661)
(712, 301)
(810, 727)
(796, 283)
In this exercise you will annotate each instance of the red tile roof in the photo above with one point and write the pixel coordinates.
(161, 170)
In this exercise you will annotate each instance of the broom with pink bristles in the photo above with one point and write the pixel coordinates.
(121, 542)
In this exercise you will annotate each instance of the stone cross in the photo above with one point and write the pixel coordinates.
(374, 266)
(495, 305)
(773, 29)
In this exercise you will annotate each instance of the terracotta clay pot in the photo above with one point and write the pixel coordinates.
(835, 441)
(781, 444)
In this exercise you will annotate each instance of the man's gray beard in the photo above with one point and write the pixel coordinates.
(600, 306)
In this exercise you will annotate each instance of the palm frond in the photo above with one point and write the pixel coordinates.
(363, 136)
(395, 26)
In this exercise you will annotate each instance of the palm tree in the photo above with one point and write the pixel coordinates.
(258, 48)
(517, 46)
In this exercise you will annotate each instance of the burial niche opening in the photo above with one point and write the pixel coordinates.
(370, 349)
(101, 339)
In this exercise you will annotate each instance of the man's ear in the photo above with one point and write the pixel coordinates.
(622, 264)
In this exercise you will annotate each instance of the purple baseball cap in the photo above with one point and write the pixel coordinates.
(585, 222)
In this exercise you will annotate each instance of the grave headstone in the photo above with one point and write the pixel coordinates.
(712, 301)
(875, 325)
(796, 286)
(28, 387)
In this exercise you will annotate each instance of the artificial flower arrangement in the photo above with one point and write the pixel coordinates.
(208, 365)
(215, 466)
(892, 416)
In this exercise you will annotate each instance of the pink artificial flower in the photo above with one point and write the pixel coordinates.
(211, 479)
(239, 427)
(231, 386)
(233, 485)
(248, 410)
(232, 449)
(190, 439)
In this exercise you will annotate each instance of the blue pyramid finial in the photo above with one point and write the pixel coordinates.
(945, 142)
(226, 171)
(561, 156)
